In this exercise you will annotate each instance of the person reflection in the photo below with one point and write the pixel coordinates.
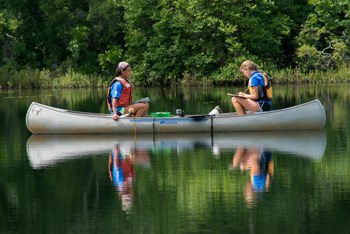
(121, 171)
(261, 167)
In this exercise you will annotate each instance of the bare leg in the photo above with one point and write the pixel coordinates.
(243, 104)
(237, 157)
(236, 104)
(140, 109)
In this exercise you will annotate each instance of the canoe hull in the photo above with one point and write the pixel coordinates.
(302, 117)
(42, 119)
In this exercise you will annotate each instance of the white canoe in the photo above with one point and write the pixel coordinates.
(43, 119)
(46, 150)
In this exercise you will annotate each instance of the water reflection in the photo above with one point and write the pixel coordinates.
(63, 184)
(308, 144)
(251, 153)
(121, 171)
(260, 164)
(47, 150)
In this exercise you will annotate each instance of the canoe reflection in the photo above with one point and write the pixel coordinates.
(46, 150)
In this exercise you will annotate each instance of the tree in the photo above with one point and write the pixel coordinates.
(106, 41)
(327, 31)
(8, 27)
(199, 37)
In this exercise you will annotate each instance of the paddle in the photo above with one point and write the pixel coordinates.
(198, 116)
(142, 100)
(131, 111)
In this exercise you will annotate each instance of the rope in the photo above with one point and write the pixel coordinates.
(134, 149)
(131, 112)
(133, 118)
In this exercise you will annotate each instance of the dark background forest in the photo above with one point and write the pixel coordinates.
(167, 40)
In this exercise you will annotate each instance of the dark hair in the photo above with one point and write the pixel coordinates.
(122, 66)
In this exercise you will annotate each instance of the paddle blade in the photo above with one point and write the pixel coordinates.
(143, 100)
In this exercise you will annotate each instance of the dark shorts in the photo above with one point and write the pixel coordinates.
(264, 106)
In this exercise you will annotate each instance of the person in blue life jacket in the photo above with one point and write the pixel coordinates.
(257, 99)
(120, 94)
(261, 167)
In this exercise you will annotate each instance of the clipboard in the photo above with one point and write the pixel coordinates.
(235, 95)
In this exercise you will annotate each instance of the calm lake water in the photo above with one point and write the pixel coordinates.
(281, 182)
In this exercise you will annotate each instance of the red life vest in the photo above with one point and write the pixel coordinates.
(126, 96)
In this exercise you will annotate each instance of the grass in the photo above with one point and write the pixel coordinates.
(45, 79)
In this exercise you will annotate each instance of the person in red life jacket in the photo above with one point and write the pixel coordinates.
(119, 95)
(257, 99)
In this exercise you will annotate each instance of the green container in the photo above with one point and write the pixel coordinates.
(160, 114)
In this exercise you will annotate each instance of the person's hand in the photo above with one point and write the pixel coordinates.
(115, 117)
(242, 94)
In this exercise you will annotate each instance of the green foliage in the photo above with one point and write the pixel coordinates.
(106, 37)
(172, 42)
(8, 26)
(325, 36)
(34, 79)
(107, 59)
(308, 57)
(298, 76)
(200, 38)
(229, 74)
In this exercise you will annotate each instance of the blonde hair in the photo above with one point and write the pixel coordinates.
(249, 65)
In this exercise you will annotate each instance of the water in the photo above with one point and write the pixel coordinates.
(292, 182)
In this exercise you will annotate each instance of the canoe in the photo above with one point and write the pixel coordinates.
(43, 119)
(47, 150)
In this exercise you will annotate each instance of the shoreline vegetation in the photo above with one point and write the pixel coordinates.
(44, 79)
(52, 44)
